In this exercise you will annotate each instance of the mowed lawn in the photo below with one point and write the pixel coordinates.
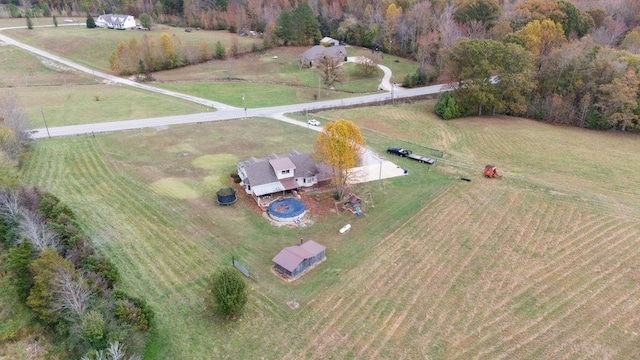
(51, 92)
(539, 264)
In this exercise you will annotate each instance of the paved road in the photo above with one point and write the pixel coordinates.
(224, 111)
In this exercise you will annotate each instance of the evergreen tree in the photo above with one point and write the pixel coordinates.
(227, 292)
(18, 260)
(447, 107)
(29, 22)
(55, 21)
(90, 22)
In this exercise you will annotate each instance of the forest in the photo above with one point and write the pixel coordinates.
(568, 62)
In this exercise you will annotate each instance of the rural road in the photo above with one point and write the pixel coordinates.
(224, 111)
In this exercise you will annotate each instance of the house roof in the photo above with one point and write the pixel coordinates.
(114, 18)
(261, 171)
(282, 163)
(289, 184)
(328, 40)
(338, 52)
(292, 256)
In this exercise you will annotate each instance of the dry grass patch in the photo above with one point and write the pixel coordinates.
(176, 188)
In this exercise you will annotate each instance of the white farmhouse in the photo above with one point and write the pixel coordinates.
(116, 21)
(278, 173)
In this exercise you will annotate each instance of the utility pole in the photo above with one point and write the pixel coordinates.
(45, 122)
(244, 104)
(380, 176)
(393, 86)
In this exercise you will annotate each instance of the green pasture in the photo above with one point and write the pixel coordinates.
(84, 104)
(180, 235)
(92, 47)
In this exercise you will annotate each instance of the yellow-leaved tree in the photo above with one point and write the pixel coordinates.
(340, 146)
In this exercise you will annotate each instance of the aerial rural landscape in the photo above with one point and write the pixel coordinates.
(495, 213)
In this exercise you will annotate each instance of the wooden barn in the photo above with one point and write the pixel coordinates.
(292, 261)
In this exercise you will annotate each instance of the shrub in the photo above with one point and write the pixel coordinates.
(132, 310)
(93, 330)
(236, 178)
(447, 107)
(227, 292)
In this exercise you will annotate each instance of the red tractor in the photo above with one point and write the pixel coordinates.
(491, 172)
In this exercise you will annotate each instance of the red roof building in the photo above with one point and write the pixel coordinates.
(292, 261)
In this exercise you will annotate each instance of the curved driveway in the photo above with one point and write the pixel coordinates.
(225, 112)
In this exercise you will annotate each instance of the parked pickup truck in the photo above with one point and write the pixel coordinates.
(399, 151)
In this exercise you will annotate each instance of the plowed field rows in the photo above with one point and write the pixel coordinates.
(542, 264)
(479, 273)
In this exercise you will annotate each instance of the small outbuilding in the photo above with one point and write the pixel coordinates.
(490, 171)
(292, 261)
(226, 196)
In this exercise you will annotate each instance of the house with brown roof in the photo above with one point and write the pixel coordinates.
(292, 261)
(279, 173)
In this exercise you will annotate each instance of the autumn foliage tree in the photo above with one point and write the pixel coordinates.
(540, 37)
(490, 75)
(340, 145)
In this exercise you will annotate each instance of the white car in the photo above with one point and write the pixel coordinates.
(68, 20)
(313, 122)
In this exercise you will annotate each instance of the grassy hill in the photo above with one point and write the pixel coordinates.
(539, 264)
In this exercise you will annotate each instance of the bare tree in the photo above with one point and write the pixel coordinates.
(610, 33)
(366, 66)
(475, 29)
(71, 292)
(33, 228)
(115, 351)
(9, 206)
(16, 121)
(448, 28)
(330, 70)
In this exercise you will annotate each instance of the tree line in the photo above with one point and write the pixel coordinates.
(52, 267)
(582, 53)
(70, 288)
(555, 67)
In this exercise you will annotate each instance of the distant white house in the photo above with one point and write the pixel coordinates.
(116, 21)
(327, 41)
(278, 173)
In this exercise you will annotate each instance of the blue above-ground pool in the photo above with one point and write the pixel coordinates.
(287, 210)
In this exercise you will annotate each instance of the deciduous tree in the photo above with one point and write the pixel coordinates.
(330, 70)
(35, 230)
(145, 21)
(490, 75)
(42, 296)
(486, 12)
(339, 145)
(227, 292)
(71, 292)
(540, 37)
(619, 100)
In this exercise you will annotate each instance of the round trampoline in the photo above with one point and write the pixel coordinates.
(287, 210)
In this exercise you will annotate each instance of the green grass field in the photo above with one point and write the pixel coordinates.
(538, 264)
(68, 97)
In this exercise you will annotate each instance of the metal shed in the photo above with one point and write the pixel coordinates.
(292, 261)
